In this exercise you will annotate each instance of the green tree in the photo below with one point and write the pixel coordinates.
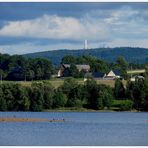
(121, 63)
(3, 105)
(71, 89)
(30, 75)
(48, 95)
(119, 89)
(135, 91)
(59, 99)
(36, 96)
(73, 71)
(106, 95)
(69, 59)
(92, 94)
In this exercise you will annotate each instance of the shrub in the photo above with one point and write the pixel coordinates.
(123, 105)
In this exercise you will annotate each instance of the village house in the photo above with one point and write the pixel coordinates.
(80, 67)
(113, 74)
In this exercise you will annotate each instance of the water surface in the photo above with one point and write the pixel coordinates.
(86, 128)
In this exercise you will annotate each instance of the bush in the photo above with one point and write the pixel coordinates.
(59, 99)
(123, 105)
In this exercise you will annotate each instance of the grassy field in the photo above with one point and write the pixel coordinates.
(58, 82)
(138, 71)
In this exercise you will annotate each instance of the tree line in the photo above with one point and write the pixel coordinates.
(17, 68)
(42, 95)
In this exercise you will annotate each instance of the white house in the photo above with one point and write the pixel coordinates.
(113, 74)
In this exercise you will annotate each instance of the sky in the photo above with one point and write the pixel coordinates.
(33, 27)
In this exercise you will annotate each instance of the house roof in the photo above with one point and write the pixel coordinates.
(114, 73)
(117, 72)
(111, 74)
(83, 67)
(98, 74)
(66, 65)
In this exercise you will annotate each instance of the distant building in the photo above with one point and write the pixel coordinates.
(113, 74)
(133, 79)
(63, 67)
(95, 75)
(99, 75)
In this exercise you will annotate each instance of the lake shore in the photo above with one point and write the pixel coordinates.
(85, 110)
(14, 119)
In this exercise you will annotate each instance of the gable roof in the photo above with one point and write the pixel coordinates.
(66, 65)
(111, 74)
(98, 74)
(117, 72)
(114, 73)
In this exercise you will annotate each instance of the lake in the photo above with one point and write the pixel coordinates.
(80, 129)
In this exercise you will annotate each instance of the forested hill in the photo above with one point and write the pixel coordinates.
(134, 55)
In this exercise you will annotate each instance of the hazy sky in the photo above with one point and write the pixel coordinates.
(33, 27)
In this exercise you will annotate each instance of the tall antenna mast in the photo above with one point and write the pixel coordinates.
(85, 45)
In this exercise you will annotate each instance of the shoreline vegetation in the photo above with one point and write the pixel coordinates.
(72, 96)
(31, 85)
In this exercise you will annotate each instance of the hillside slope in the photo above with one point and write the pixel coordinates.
(136, 55)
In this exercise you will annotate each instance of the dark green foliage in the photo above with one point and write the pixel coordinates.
(3, 105)
(123, 105)
(68, 59)
(71, 89)
(92, 94)
(73, 71)
(106, 95)
(121, 63)
(36, 97)
(48, 95)
(42, 95)
(18, 68)
(59, 99)
(131, 54)
(119, 89)
(14, 97)
(126, 105)
(98, 96)
(138, 92)
(22, 102)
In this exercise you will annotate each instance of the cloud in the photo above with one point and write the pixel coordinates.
(123, 26)
(56, 27)
(31, 47)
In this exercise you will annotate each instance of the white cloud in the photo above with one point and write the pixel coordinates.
(114, 27)
(55, 27)
(129, 43)
(31, 47)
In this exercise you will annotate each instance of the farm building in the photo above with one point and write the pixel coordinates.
(65, 67)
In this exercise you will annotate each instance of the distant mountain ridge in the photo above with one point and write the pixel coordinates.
(131, 54)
